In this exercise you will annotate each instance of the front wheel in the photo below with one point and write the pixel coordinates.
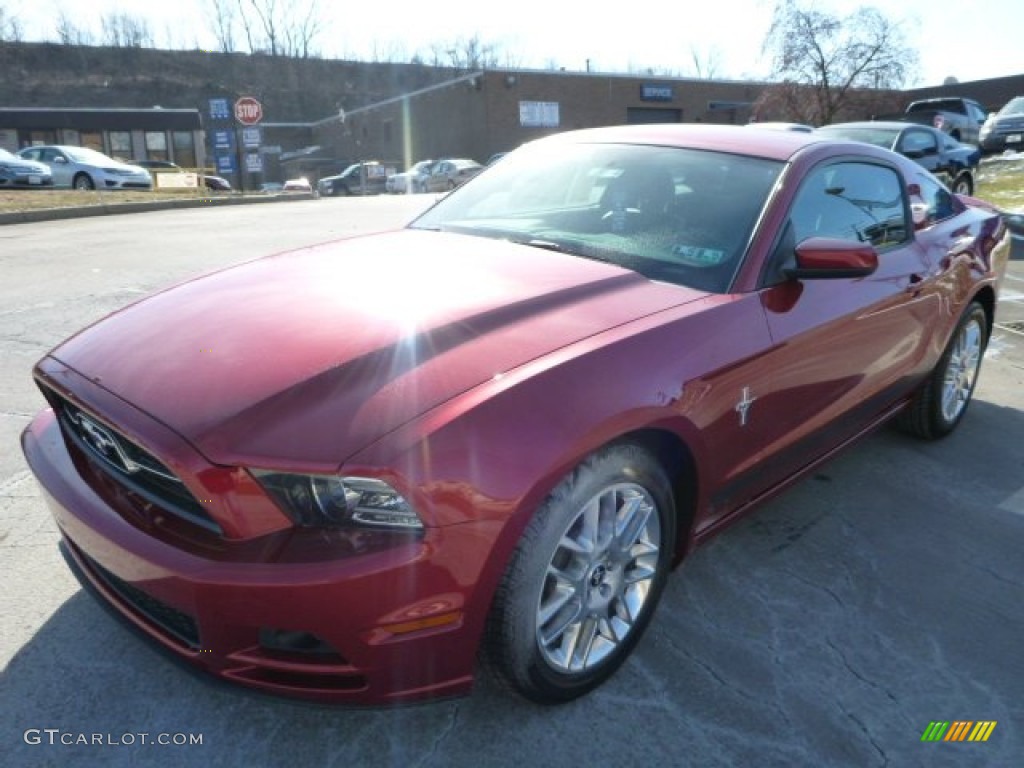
(584, 580)
(83, 181)
(943, 399)
(963, 185)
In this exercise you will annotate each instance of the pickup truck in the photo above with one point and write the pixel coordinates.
(960, 118)
(366, 178)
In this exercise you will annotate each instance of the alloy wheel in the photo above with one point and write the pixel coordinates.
(599, 578)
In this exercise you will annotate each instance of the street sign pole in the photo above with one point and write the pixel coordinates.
(248, 113)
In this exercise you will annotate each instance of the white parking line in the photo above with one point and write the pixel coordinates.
(1009, 295)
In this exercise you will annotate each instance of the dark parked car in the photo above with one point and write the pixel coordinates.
(958, 117)
(1005, 129)
(953, 162)
(368, 178)
(342, 472)
(18, 172)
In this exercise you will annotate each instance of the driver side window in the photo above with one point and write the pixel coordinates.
(851, 201)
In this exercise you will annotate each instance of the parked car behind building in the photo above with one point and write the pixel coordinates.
(951, 161)
(1005, 129)
(82, 168)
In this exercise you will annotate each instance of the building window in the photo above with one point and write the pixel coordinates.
(156, 145)
(92, 140)
(42, 137)
(184, 149)
(121, 145)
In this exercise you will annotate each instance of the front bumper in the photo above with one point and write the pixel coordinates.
(387, 626)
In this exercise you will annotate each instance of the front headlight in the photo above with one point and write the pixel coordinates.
(331, 501)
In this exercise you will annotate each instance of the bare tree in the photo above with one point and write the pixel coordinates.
(465, 53)
(820, 61)
(706, 63)
(277, 27)
(223, 13)
(10, 27)
(69, 33)
(122, 30)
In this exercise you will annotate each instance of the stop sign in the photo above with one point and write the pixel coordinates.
(248, 111)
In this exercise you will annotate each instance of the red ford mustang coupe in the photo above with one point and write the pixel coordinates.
(350, 472)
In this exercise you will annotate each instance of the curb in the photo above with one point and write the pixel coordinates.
(102, 209)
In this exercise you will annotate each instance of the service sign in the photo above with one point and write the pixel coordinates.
(251, 137)
(254, 162)
(223, 140)
(652, 92)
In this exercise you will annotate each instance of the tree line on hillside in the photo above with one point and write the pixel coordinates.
(820, 63)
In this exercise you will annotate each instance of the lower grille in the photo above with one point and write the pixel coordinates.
(180, 626)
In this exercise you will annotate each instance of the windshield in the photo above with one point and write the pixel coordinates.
(1013, 107)
(678, 215)
(82, 155)
(880, 137)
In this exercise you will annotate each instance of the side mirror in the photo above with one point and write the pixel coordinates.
(823, 258)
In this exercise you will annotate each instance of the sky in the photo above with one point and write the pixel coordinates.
(953, 39)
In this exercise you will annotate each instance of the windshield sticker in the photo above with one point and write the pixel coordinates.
(696, 256)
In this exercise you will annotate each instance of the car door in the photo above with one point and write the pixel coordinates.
(60, 164)
(842, 351)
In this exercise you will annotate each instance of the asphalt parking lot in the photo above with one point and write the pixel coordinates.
(829, 628)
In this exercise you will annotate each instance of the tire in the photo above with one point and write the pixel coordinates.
(585, 578)
(83, 181)
(941, 402)
(963, 184)
(451, 184)
(341, 191)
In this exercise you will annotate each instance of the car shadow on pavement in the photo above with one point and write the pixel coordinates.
(829, 627)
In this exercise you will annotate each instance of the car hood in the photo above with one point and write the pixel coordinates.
(307, 357)
(22, 163)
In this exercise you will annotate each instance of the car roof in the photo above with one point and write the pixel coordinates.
(897, 125)
(776, 145)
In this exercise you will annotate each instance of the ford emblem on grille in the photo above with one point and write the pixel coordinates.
(103, 443)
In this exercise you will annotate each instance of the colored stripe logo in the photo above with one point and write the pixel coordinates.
(958, 730)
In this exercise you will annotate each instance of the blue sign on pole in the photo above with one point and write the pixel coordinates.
(226, 164)
(219, 109)
(224, 140)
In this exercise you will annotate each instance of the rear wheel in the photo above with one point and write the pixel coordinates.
(83, 181)
(943, 399)
(584, 581)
